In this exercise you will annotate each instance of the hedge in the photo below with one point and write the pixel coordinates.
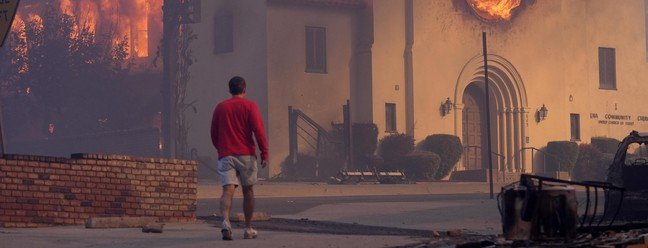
(395, 146)
(449, 149)
(592, 164)
(606, 145)
(561, 156)
(420, 165)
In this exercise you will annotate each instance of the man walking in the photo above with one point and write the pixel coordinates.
(234, 123)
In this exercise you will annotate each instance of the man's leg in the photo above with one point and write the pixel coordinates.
(248, 176)
(225, 206)
(226, 201)
(248, 205)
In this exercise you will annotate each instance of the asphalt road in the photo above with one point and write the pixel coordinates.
(474, 213)
(295, 205)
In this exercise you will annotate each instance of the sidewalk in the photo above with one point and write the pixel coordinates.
(186, 236)
(422, 215)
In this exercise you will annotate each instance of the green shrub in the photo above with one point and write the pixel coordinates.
(591, 164)
(606, 145)
(395, 146)
(365, 142)
(330, 165)
(561, 156)
(304, 167)
(420, 165)
(449, 149)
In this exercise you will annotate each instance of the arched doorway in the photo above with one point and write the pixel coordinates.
(474, 128)
(508, 115)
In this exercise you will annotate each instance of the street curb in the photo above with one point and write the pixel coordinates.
(118, 222)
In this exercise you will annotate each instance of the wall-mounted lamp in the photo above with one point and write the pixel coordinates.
(446, 107)
(542, 113)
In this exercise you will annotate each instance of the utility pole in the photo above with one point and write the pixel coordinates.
(8, 9)
(488, 126)
(171, 25)
(348, 128)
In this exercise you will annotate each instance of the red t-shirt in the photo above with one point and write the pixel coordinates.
(234, 122)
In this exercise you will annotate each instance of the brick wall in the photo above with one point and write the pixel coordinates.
(42, 191)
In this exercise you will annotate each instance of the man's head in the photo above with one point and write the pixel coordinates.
(237, 86)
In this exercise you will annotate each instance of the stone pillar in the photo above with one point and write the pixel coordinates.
(509, 140)
(361, 89)
(502, 140)
(523, 126)
(409, 67)
(517, 145)
(458, 114)
(496, 139)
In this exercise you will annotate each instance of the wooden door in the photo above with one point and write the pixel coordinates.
(474, 129)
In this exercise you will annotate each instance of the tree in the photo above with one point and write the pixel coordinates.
(65, 80)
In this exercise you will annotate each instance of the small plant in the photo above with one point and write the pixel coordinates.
(561, 156)
(420, 165)
(448, 148)
(395, 146)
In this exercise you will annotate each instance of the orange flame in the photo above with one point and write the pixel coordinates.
(494, 10)
(140, 40)
(129, 19)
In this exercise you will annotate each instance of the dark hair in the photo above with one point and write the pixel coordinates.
(237, 85)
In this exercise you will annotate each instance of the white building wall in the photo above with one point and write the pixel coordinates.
(211, 72)
(552, 44)
(388, 61)
(321, 96)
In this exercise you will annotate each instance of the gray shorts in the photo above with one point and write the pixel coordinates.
(238, 170)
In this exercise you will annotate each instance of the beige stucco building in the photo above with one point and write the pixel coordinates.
(398, 61)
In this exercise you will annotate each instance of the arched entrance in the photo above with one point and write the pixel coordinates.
(474, 128)
(508, 114)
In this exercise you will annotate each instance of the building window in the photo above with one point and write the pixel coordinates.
(390, 117)
(223, 33)
(316, 49)
(575, 127)
(607, 68)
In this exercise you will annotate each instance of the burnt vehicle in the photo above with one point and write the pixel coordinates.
(544, 208)
(629, 170)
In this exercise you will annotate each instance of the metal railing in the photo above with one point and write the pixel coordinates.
(476, 149)
(502, 163)
(303, 128)
(535, 151)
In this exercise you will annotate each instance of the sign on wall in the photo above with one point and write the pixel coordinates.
(619, 119)
(7, 13)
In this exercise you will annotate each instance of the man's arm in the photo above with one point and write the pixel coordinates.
(214, 129)
(256, 123)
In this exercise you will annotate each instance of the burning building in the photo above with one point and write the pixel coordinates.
(82, 76)
(559, 70)
(139, 22)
